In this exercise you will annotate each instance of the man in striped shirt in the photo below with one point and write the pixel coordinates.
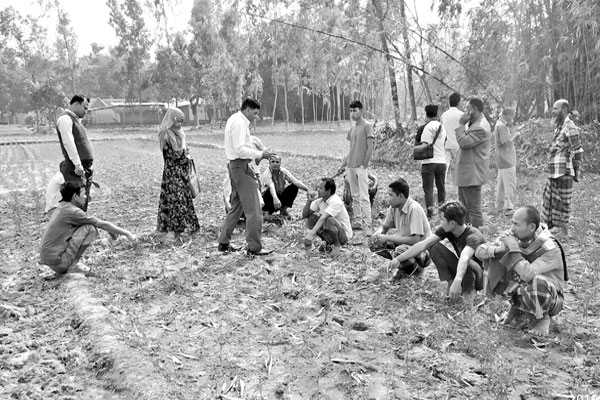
(564, 165)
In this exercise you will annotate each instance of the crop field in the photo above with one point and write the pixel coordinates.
(178, 320)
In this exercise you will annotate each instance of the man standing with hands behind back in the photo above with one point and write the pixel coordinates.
(357, 161)
(506, 161)
(564, 164)
(245, 196)
(75, 145)
(473, 163)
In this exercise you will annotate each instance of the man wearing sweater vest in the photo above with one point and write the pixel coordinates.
(528, 265)
(75, 145)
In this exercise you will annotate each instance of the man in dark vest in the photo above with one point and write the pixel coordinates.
(75, 145)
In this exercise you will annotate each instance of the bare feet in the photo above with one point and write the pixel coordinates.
(335, 250)
(512, 314)
(542, 327)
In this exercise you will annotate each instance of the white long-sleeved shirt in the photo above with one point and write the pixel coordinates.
(65, 128)
(238, 142)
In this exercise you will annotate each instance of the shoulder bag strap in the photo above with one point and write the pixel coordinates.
(564, 259)
(437, 134)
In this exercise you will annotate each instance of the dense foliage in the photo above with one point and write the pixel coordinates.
(307, 60)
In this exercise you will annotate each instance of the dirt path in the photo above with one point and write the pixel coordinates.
(179, 321)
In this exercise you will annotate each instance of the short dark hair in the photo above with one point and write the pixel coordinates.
(454, 211)
(400, 186)
(79, 98)
(532, 216)
(69, 189)
(356, 104)
(250, 103)
(454, 99)
(477, 103)
(431, 110)
(329, 185)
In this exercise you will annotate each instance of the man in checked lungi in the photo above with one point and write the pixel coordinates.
(564, 166)
(527, 264)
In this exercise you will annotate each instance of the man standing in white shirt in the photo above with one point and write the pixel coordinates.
(450, 119)
(245, 196)
(75, 145)
(434, 169)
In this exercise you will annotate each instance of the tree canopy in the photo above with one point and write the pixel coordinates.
(305, 60)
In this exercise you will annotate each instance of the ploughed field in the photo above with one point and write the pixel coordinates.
(173, 320)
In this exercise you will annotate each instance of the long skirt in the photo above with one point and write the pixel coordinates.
(557, 201)
(175, 207)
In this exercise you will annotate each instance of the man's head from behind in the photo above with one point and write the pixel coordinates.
(525, 222)
(275, 162)
(250, 109)
(398, 192)
(356, 108)
(454, 99)
(79, 105)
(453, 214)
(326, 188)
(71, 193)
(431, 111)
(508, 114)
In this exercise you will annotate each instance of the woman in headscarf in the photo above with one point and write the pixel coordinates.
(176, 207)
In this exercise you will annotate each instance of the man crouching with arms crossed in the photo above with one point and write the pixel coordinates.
(532, 256)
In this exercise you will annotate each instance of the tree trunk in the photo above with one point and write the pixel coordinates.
(214, 108)
(274, 105)
(37, 120)
(390, 65)
(383, 115)
(426, 89)
(285, 102)
(194, 104)
(302, 104)
(409, 69)
(339, 103)
(314, 108)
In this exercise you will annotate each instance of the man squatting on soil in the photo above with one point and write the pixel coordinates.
(527, 264)
(408, 222)
(276, 194)
(70, 231)
(326, 216)
(463, 274)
